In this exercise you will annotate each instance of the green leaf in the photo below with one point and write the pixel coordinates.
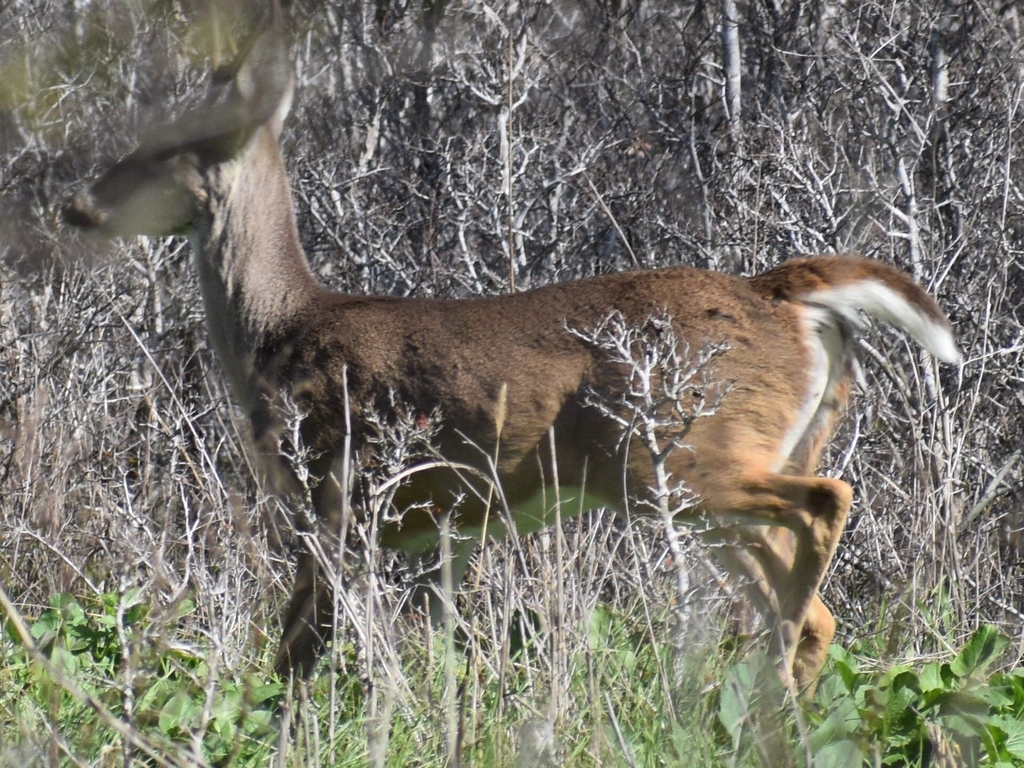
(63, 661)
(930, 679)
(965, 703)
(875, 702)
(963, 725)
(12, 633)
(155, 694)
(840, 754)
(905, 679)
(841, 724)
(46, 628)
(261, 693)
(228, 707)
(734, 701)
(184, 608)
(979, 652)
(900, 722)
(600, 627)
(831, 691)
(898, 671)
(177, 714)
(70, 609)
(846, 666)
(993, 695)
(1014, 730)
(225, 728)
(258, 720)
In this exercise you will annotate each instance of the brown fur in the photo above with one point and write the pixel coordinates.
(277, 332)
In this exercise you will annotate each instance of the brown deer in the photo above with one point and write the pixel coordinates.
(514, 363)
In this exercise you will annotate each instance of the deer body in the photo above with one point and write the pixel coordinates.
(788, 334)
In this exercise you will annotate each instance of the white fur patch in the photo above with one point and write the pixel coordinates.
(884, 303)
(820, 338)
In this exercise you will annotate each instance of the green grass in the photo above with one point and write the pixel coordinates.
(621, 698)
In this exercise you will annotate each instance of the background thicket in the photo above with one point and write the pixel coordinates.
(464, 148)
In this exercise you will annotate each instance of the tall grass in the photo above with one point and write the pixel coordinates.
(133, 533)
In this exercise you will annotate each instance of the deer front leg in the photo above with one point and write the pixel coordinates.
(307, 621)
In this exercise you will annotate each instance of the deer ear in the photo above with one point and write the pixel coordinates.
(253, 92)
(263, 81)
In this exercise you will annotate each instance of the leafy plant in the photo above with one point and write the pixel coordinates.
(948, 713)
(945, 713)
(167, 695)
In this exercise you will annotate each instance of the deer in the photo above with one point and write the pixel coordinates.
(508, 374)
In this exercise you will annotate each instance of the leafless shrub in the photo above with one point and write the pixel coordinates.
(428, 153)
(667, 386)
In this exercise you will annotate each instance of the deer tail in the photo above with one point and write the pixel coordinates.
(844, 286)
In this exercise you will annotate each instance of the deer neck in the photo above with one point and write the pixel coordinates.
(253, 273)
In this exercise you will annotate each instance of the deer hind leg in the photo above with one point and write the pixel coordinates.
(818, 630)
(783, 573)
